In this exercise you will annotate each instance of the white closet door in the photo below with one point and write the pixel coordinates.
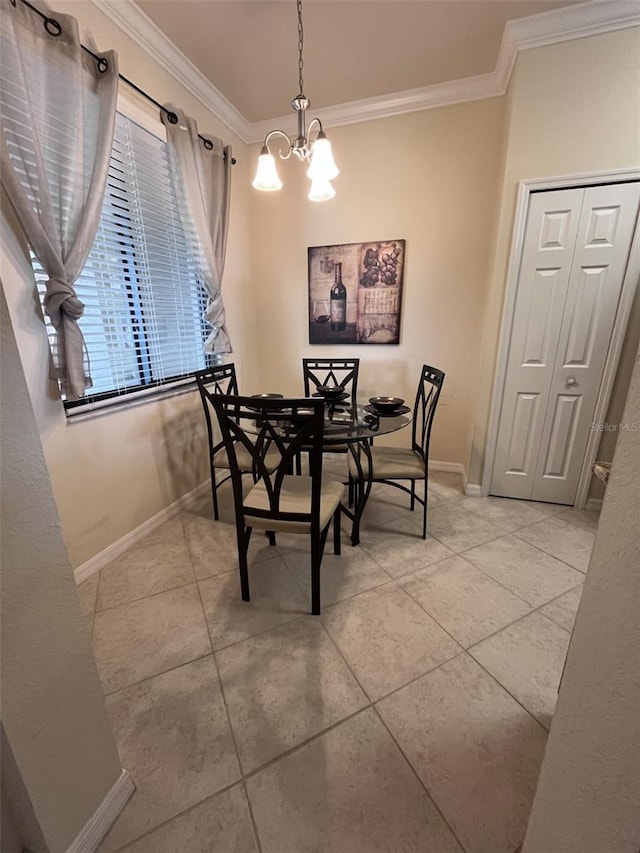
(575, 254)
(605, 231)
(549, 244)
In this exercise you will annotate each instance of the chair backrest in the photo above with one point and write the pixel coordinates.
(331, 371)
(219, 379)
(281, 428)
(424, 409)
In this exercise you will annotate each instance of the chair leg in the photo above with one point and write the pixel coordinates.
(424, 510)
(243, 548)
(214, 494)
(316, 557)
(271, 536)
(350, 492)
(337, 545)
(413, 495)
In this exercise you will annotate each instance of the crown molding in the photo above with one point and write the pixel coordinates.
(409, 101)
(574, 22)
(130, 18)
(547, 28)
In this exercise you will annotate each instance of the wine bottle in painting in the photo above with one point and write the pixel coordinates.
(338, 307)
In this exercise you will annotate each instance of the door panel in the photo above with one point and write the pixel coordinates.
(519, 456)
(574, 257)
(562, 438)
(536, 349)
(604, 237)
(549, 244)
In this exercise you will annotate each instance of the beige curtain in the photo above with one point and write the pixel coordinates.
(202, 173)
(57, 112)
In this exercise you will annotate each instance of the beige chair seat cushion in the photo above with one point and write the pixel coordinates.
(245, 460)
(336, 448)
(391, 463)
(295, 497)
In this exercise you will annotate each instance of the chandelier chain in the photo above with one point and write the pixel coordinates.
(300, 46)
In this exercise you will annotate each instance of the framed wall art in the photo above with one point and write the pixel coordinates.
(355, 292)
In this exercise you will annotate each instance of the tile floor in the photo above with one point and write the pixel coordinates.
(411, 717)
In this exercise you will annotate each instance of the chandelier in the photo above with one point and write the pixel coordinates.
(322, 167)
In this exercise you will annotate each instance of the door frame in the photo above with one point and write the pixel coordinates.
(525, 188)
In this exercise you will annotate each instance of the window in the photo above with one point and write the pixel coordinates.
(142, 322)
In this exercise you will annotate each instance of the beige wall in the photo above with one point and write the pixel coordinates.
(431, 178)
(588, 796)
(573, 108)
(63, 753)
(111, 473)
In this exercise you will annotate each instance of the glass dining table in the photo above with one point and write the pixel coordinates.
(353, 428)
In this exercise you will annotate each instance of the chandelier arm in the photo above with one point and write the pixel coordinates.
(311, 124)
(283, 134)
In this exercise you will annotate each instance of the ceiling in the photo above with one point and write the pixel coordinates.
(353, 49)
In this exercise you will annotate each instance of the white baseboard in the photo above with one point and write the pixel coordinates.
(455, 467)
(98, 561)
(473, 490)
(101, 821)
(594, 504)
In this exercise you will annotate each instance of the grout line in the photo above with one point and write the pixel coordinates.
(344, 660)
(404, 684)
(254, 825)
(186, 538)
(515, 698)
(220, 685)
(551, 619)
(230, 725)
(94, 611)
(418, 677)
(144, 597)
(431, 616)
(508, 589)
(346, 598)
(155, 675)
(543, 517)
(549, 554)
(413, 572)
(305, 742)
(417, 776)
(151, 830)
(295, 618)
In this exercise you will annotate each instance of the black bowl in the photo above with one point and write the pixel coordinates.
(386, 404)
(331, 392)
(265, 397)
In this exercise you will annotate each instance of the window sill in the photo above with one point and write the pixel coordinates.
(129, 401)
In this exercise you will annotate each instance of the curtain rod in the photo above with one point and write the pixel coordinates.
(54, 29)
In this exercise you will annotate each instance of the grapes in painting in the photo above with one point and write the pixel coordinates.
(380, 267)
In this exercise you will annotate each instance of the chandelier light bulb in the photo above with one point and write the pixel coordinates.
(267, 178)
(321, 190)
(322, 166)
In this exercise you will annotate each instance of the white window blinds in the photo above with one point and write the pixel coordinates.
(142, 322)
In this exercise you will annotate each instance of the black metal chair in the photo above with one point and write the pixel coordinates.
(220, 379)
(279, 501)
(397, 463)
(343, 372)
(317, 372)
